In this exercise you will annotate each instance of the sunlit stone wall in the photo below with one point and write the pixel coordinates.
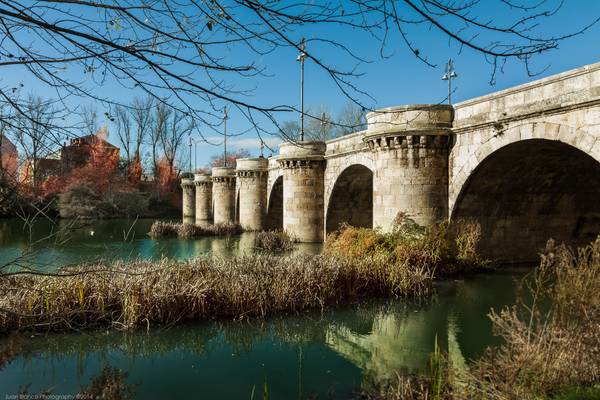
(303, 167)
(252, 183)
(223, 192)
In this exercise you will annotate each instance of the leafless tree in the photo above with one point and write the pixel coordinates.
(124, 130)
(32, 130)
(159, 128)
(175, 52)
(351, 119)
(142, 118)
(89, 118)
(177, 129)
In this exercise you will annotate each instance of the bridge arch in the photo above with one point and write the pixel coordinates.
(351, 199)
(531, 183)
(275, 205)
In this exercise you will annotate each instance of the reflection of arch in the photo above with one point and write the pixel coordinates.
(528, 191)
(351, 199)
(275, 205)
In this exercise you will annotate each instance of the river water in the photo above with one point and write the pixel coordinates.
(326, 354)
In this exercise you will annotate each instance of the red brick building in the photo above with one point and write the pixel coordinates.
(8, 156)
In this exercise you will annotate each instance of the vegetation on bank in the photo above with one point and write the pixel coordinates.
(551, 341)
(127, 294)
(162, 229)
(131, 294)
(443, 249)
(276, 241)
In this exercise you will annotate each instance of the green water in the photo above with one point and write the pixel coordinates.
(329, 354)
(67, 242)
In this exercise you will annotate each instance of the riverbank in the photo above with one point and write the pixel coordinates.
(550, 341)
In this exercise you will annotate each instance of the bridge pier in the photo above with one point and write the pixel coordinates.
(223, 192)
(204, 185)
(303, 167)
(410, 153)
(188, 203)
(252, 179)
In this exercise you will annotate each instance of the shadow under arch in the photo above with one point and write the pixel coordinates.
(351, 199)
(275, 206)
(529, 191)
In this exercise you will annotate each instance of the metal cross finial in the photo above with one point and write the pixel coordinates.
(300, 59)
(225, 137)
(448, 76)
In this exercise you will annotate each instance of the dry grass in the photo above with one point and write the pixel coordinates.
(131, 294)
(552, 334)
(161, 229)
(444, 248)
(551, 340)
(276, 241)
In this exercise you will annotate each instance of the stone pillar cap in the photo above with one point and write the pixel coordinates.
(412, 119)
(251, 164)
(307, 150)
(187, 181)
(202, 177)
(223, 172)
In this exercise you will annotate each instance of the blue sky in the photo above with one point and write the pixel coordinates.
(399, 79)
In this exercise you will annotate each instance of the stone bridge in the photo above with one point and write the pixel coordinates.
(524, 162)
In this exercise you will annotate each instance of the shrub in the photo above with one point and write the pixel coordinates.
(81, 201)
(551, 341)
(445, 248)
(548, 350)
(273, 241)
(129, 203)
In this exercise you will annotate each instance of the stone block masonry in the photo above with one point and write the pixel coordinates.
(252, 176)
(223, 193)
(188, 206)
(303, 166)
(523, 162)
(204, 203)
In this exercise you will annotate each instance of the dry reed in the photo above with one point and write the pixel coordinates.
(162, 229)
(139, 293)
(273, 241)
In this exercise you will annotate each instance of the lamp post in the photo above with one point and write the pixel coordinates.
(262, 146)
(191, 153)
(448, 76)
(300, 59)
(225, 138)
(195, 153)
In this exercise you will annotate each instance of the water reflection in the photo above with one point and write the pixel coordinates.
(318, 353)
(111, 239)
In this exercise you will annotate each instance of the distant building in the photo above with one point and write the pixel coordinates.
(8, 156)
(79, 152)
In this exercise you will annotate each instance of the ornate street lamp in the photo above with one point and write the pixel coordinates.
(225, 137)
(448, 76)
(300, 59)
